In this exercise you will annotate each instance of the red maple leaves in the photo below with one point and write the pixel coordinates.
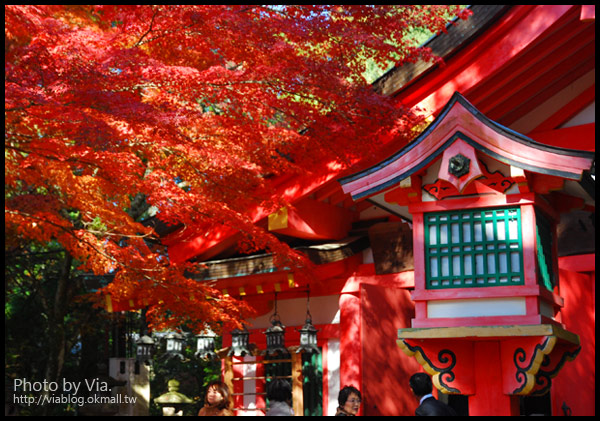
(199, 108)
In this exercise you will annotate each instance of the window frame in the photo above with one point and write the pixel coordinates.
(493, 261)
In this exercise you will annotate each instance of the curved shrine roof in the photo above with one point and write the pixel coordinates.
(459, 119)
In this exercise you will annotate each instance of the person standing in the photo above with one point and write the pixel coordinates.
(216, 401)
(421, 386)
(279, 394)
(349, 401)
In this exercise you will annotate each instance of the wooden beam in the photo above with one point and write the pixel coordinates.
(313, 220)
(323, 193)
(563, 138)
(487, 55)
(527, 68)
(588, 13)
(567, 112)
(458, 35)
(198, 241)
(495, 332)
(553, 81)
(297, 389)
(227, 368)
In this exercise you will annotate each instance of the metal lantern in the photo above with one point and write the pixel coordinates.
(308, 338)
(276, 335)
(308, 333)
(206, 345)
(145, 349)
(175, 344)
(276, 339)
(240, 339)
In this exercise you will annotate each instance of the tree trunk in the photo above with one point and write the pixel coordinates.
(56, 328)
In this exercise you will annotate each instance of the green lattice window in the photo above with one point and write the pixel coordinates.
(473, 248)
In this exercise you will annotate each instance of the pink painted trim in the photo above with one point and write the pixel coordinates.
(474, 293)
(418, 249)
(421, 298)
(420, 310)
(488, 201)
(478, 321)
(588, 13)
(458, 118)
(529, 244)
(532, 306)
(496, 200)
(460, 147)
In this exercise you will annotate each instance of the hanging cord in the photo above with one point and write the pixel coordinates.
(308, 315)
(275, 316)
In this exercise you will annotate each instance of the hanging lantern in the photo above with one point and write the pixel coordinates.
(308, 338)
(175, 344)
(308, 333)
(145, 349)
(276, 339)
(276, 335)
(206, 345)
(240, 339)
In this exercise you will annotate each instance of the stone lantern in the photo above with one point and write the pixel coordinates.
(145, 349)
(175, 344)
(173, 402)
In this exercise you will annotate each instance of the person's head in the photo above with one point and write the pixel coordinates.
(349, 399)
(217, 394)
(279, 390)
(420, 383)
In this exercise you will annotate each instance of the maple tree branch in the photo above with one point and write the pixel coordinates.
(139, 41)
(23, 107)
(42, 83)
(207, 176)
(111, 234)
(164, 33)
(81, 240)
(271, 84)
(52, 158)
(291, 115)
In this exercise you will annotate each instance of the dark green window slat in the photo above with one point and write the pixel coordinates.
(312, 373)
(543, 233)
(473, 248)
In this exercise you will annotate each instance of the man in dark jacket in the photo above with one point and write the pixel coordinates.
(421, 385)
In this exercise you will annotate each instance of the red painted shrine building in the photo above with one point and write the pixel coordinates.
(468, 253)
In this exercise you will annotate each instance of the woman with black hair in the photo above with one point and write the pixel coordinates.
(349, 400)
(279, 394)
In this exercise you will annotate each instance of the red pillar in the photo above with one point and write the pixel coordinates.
(350, 342)
(261, 400)
(489, 398)
(238, 385)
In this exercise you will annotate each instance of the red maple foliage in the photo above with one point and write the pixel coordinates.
(196, 108)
